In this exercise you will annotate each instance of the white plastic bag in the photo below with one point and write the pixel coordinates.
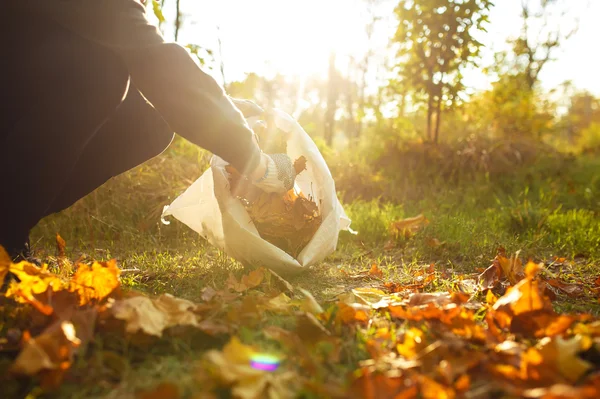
(208, 208)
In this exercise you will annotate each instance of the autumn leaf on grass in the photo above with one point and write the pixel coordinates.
(572, 290)
(32, 280)
(490, 277)
(49, 355)
(251, 374)
(512, 267)
(524, 308)
(309, 303)
(5, 263)
(406, 228)
(250, 280)
(375, 271)
(95, 282)
(164, 390)
(153, 316)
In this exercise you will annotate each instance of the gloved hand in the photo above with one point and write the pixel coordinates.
(275, 173)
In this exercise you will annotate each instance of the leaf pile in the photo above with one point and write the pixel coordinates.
(384, 340)
(287, 221)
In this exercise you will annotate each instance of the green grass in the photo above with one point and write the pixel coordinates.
(533, 209)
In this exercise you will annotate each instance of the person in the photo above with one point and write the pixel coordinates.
(91, 89)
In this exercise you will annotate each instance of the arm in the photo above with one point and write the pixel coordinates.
(191, 101)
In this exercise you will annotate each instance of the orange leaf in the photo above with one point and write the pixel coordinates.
(375, 271)
(95, 282)
(164, 390)
(512, 267)
(60, 245)
(5, 263)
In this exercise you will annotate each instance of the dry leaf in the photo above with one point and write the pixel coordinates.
(406, 228)
(287, 221)
(164, 390)
(95, 282)
(243, 367)
(50, 353)
(5, 263)
(512, 267)
(153, 316)
(309, 303)
(61, 245)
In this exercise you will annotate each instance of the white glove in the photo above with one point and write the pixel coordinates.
(279, 175)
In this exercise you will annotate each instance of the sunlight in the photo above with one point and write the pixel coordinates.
(282, 36)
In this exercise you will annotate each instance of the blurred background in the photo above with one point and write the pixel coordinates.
(484, 116)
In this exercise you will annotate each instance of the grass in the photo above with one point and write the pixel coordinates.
(533, 209)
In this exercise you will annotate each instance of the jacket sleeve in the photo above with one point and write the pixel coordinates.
(189, 100)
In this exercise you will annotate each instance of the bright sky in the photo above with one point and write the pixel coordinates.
(295, 37)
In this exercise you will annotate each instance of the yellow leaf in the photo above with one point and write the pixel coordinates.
(95, 282)
(32, 280)
(5, 263)
(280, 302)
(241, 366)
(310, 304)
(562, 354)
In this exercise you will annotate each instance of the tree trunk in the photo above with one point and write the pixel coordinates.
(331, 101)
(177, 19)
(438, 118)
(429, 115)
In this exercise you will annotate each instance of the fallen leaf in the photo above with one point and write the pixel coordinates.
(309, 303)
(406, 228)
(153, 316)
(61, 245)
(375, 271)
(490, 277)
(50, 353)
(164, 390)
(250, 372)
(95, 282)
(572, 290)
(5, 263)
(512, 267)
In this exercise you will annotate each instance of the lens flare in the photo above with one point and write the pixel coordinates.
(264, 362)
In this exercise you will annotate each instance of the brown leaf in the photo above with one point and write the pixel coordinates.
(572, 290)
(512, 267)
(406, 228)
(50, 353)
(61, 245)
(164, 390)
(310, 329)
(490, 277)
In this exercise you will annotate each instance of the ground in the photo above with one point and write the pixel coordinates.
(550, 216)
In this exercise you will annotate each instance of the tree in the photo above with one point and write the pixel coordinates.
(332, 98)
(534, 52)
(436, 41)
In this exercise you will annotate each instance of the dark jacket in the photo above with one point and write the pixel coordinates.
(189, 100)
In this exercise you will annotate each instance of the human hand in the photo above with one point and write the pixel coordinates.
(275, 173)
